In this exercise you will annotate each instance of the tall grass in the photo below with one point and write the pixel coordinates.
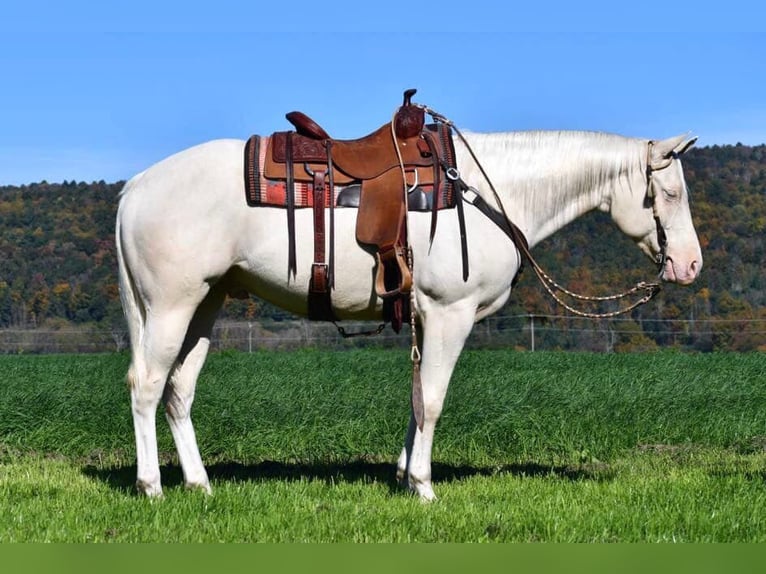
(319, 405)
(302, 446)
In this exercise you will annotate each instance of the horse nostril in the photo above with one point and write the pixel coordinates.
(694, 268)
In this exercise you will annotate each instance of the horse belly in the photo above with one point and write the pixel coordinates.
(263, 271)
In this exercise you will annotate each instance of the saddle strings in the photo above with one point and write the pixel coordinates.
(550, 285)
(415, 350)
(416, 393)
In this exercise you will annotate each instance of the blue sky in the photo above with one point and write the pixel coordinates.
(92, 91)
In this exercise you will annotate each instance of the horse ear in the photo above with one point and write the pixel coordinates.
(685, 146)
(662, 151)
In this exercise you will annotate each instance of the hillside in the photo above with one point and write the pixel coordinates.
(57, 258)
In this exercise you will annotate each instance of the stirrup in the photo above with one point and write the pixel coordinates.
(405, 283)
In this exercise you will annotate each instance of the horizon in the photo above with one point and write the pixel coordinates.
(122, 181)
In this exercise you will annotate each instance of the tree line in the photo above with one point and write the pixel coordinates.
(58, 263)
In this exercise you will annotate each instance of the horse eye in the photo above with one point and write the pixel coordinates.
(671, 193)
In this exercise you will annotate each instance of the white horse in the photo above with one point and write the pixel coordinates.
(185, 239)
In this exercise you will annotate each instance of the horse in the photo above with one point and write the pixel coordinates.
(186, 239)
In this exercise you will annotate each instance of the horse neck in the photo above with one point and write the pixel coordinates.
(546, 180)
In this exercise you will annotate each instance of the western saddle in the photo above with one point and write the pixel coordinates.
(385, 173)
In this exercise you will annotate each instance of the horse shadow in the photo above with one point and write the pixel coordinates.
(122, 478)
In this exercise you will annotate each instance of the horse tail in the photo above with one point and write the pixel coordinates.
(132, 305)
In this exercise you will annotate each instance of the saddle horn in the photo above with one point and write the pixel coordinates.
(410, 119)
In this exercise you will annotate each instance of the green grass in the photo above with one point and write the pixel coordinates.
(703, 497)
(302, 446)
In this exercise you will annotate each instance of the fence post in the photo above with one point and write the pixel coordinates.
(532, 331)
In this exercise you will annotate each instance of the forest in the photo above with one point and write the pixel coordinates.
(58, 262)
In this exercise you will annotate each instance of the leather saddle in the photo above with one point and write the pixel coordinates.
(382, 168)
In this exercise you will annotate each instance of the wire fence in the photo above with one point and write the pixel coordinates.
(520, 332)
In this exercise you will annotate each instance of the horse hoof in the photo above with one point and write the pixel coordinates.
(422, 490)
(150, 489)
(199, 486)
(427, 496)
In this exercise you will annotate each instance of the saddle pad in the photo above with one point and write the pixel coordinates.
(272, 192)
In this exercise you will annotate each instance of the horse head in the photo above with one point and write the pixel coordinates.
(659, 220)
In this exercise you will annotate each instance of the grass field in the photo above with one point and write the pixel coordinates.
(302, 446)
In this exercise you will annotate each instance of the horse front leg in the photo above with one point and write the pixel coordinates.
(444, 331)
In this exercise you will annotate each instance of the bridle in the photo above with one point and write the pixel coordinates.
(651, 196)
(501, 219)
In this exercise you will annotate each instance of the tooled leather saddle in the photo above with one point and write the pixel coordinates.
(400, 165)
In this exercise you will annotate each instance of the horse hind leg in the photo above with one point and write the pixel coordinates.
(153, 358)
(179, 392)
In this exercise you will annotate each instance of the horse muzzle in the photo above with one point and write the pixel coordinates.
(683, 273)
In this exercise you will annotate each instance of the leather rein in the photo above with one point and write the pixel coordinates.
(501, 219)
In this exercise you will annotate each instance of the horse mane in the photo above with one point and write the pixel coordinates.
(556, 168)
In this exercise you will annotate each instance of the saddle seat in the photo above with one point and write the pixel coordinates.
(353, 160)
